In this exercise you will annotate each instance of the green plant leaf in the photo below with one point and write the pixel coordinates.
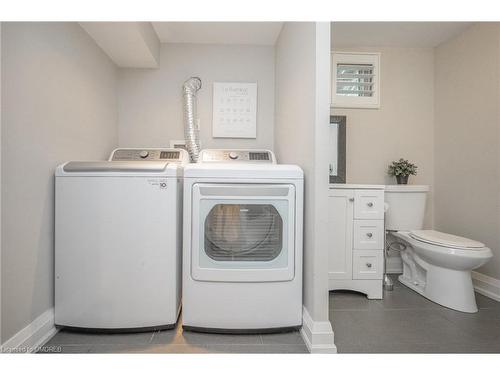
(402, 167)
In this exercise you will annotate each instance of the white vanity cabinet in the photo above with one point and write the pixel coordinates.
(356, 238)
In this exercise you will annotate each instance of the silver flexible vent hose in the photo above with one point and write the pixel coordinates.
(191, 131)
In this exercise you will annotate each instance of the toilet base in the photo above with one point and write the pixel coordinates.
(450, 288)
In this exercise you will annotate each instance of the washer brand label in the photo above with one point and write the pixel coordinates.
(161, 183)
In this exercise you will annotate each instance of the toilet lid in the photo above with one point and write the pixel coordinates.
(444, 239)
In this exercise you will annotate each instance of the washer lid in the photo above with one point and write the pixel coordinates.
(115, 166)
(119, 168)
(444, 239)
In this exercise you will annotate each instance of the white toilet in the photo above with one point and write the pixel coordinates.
(437, 265)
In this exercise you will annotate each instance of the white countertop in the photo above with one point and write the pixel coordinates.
(357, 186)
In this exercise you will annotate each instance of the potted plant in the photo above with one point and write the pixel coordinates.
(402, 169)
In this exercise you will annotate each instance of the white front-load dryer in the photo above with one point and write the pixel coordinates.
(118, 241)
(242, 257)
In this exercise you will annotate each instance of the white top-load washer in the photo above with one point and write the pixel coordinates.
(242, 257)
(118, 241)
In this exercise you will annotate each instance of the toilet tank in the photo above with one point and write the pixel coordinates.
(406, 206)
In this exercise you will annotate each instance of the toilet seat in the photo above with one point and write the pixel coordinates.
(436, 238)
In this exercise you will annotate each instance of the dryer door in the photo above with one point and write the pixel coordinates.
(243, 232)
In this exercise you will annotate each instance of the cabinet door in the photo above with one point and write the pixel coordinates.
(340, 219)
(368, 264)
(368, 235)
(369, 204)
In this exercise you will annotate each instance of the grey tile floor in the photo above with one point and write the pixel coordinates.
(174, 341)
(406, 322)
(403, 322)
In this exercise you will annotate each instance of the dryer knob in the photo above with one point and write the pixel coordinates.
(143, 154)
(233, 155)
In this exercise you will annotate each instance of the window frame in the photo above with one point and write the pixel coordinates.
(341, 101)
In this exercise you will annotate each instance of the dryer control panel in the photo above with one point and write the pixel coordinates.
(245, 156)
(149, 154)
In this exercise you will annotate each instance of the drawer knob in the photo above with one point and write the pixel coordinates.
(370, 204)
(369, 235)
(369, 265)
(351, 199)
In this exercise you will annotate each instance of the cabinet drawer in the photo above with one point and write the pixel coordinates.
(367, 264)
(369, 204)
(368, 235)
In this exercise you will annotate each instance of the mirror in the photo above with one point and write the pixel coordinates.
(338, 154)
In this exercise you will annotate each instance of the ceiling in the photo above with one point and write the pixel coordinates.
(259, 33)
(138, 44)
(394, 34)
(128, 44)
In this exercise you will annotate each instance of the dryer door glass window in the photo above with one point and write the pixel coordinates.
(243, 232)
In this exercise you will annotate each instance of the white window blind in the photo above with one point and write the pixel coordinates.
(355, 80)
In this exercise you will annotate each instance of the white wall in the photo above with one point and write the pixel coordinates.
(150, 101)
(294, 133)
(58, 103)
(467, 143)
(402, 127)
(0, 185)
(301, 137)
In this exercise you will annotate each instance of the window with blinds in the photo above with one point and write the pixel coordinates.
(355, 80)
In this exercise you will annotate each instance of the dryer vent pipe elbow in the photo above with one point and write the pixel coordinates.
(191, 131)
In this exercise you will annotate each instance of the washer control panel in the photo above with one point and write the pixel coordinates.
(160, 154)
(245, 156)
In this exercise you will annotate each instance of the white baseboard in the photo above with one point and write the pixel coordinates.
(318, 335)
(486, 285)
(33, 336)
